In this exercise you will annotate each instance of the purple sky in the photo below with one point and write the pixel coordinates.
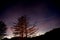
(45, 14)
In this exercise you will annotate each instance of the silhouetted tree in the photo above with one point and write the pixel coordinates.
(23, 29)
(2, 29)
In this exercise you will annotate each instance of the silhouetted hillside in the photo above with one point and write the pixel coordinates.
(52, 35)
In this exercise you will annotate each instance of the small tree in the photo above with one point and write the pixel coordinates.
(23, 29)
(2, 29)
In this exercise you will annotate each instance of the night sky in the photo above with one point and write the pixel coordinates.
(46, 14)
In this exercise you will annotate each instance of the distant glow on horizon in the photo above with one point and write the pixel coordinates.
(37, 34)
(9, 37)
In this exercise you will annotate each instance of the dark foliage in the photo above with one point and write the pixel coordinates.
(2, 28)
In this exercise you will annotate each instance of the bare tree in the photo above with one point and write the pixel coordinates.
(23, 29)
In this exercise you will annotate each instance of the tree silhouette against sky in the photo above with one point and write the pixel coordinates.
(23, 29)
(2, 29)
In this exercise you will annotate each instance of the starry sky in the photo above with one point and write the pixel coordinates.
(45, 13)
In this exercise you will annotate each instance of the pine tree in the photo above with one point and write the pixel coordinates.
(2, 29)
(23, 29)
